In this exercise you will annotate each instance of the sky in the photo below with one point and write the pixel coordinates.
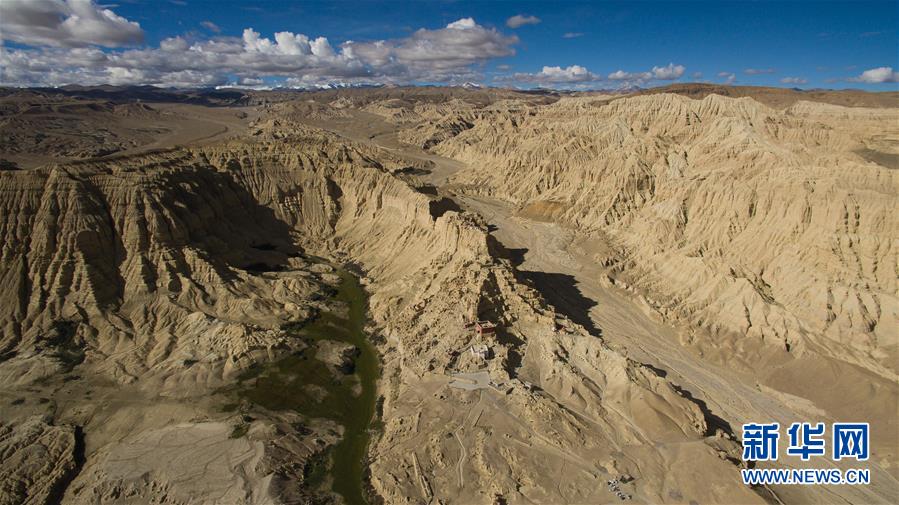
(555, 44)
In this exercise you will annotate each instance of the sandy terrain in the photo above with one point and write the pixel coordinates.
(37, 129)
(782, 97)
(562, 265)
(154, 280)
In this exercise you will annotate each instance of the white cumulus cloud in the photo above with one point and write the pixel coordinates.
(462, 24)
(558, 75)
(436, 55)
(69, 23)
(877, 76)
(669, 72)
(449, 54)
(577, 74)
(794, 80)
(621, 75)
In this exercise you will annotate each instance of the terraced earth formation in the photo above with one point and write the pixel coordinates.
(179, 322)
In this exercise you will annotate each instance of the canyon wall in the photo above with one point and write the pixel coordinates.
(745, 222)
(159, 277)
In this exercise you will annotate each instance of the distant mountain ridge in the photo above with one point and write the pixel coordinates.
(779, 98)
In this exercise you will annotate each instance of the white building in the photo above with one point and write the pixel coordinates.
(480, 351)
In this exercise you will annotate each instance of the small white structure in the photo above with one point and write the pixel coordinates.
(481, 351)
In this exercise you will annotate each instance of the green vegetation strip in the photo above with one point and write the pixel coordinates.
(304, 384)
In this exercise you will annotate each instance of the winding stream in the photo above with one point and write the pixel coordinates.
(303, 383)
(348, 465)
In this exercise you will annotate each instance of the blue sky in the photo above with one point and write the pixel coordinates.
(563, 44)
